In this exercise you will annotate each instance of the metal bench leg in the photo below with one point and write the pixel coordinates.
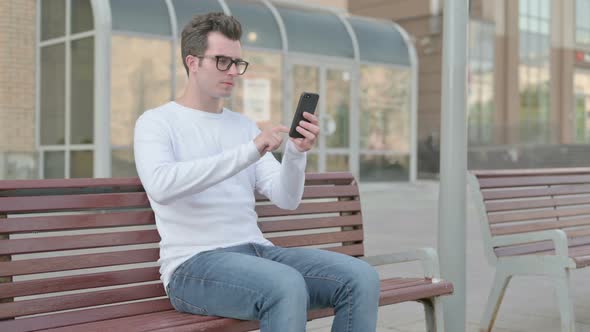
(501, 280)
(434, 315)
(565, 301)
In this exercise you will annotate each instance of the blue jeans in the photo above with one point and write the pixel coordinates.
(277, 286)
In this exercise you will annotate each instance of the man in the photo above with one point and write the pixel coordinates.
(200, 165)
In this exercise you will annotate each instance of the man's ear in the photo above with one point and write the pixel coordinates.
(192, 63)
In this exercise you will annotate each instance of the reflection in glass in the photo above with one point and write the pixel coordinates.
(52, 105)
(140, 81)
(81, 15)
(143, 16)
(258, 94)
(336, 120)
(582, 22)
(186, 9)
(305, 79)
(259, 28)
(81, 164)
(582, 106)
(385, 109)
(82, 96)
(53, 19)
(316, 32)
(481, 83)
(337, 163)
(123, 163)
(380, 42)
(534, 22)
(312, 163)
(54, 165)
(384, 168)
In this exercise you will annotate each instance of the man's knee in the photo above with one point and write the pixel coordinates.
(290, 287)
(364, 279)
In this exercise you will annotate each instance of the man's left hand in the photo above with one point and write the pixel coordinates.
(310, 131)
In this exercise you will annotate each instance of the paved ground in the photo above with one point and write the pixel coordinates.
(402, 216)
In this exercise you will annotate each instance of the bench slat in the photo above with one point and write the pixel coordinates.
(311, 223)
(172, 320)
(538, 247)
(536, 192)
(311, 179)
(74, 262)
(36, 204)
(78, 221)
(356, 250)
(76, 282)
(315, 239)
(69, 242)
(523, 181)
(535, 203)
(415, 292)
(330, 191)
(502, 229)
(309, 208)
(85, 315)
(88, 299)
(497, 218)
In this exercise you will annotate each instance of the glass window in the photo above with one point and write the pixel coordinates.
(123, 163)
(259, 28)
(380, 42)
(140, 81)
(52, 106)
(53, 19)
(534, 55)
(384, 123)
(82, 95)
(81, 15)
(337, 163)
(306, 78)
(258, 93)
(316, 33)
(481, 83)
(582, 106)
(336, 120)
(54, 165)
(81, 164)
(582, 22)
(186, 9)
(143, 16)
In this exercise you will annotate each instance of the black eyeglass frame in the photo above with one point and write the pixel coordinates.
(237, 62)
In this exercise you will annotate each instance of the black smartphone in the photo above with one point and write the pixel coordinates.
(307, 103)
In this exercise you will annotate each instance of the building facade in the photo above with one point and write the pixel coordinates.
(78, 74)
(529, 80)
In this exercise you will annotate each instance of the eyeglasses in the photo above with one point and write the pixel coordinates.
(224, 63)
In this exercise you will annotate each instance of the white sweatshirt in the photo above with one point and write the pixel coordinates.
(200, 171)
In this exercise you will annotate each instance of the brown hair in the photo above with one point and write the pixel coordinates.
(194, 35)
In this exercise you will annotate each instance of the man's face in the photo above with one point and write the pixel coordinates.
(210, 80)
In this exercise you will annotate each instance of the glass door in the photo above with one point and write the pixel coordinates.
(582, 106)
(333, 83)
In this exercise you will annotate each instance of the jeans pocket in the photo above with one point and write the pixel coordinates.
(183, 306)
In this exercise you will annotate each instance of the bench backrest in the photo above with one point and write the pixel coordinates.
(521, 201)
(71, 241)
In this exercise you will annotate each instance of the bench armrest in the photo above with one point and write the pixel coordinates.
(427, 256)
(558, 237)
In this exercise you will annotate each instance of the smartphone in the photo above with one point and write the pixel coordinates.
(307, 103)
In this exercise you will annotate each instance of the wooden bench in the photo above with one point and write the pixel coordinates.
(81, 255)
(534, 222)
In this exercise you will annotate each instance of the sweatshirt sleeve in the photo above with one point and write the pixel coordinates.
(166, 179)
(282, 182)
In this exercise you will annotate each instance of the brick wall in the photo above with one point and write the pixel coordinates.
(17, 88)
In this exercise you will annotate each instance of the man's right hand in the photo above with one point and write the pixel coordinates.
(270, 139)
